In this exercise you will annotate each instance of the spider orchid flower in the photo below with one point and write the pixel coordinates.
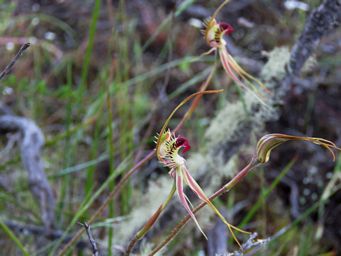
(214, 32)
(169, 155)
(162, 152)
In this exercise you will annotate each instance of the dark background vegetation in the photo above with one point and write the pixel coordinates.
(78, 55)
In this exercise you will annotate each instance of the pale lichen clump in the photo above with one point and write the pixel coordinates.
(224, 125)
(144, 204)
(278, 58)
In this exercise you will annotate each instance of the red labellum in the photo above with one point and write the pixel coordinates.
(183, 142)
(226, 28)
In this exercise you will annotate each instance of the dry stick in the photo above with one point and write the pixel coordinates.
(32, 141)
(95, 251)
(253, 163)
(9, 67)
(119, 186)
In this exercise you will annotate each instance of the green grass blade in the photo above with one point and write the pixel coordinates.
(266, 193)
(88, 201)
(89, 48)
(12, 236)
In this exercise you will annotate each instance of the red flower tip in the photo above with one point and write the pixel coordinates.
(226, 28)
(183, 142)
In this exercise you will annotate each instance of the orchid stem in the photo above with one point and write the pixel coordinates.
(196, 100)
(149, 224)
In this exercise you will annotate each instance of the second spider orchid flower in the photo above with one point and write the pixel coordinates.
(214, 36)
(169, 156)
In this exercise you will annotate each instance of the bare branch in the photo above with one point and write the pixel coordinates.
(320, 22)
(95, 251)
(9, 67)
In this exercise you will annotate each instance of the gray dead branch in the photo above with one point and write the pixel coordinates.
(31, 142)
(321, 21)
(95, 251)
(235, 124)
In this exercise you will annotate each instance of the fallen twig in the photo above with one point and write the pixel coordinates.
(95, 251)
(9, 67)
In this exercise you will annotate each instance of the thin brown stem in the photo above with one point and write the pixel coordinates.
(196, 100)
(225, 188)
(131, 246)
(9, 67)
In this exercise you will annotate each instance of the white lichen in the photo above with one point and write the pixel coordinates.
(275, 67)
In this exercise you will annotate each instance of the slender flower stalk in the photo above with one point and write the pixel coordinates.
(151, 221)
(214, 33)
(197, 99)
